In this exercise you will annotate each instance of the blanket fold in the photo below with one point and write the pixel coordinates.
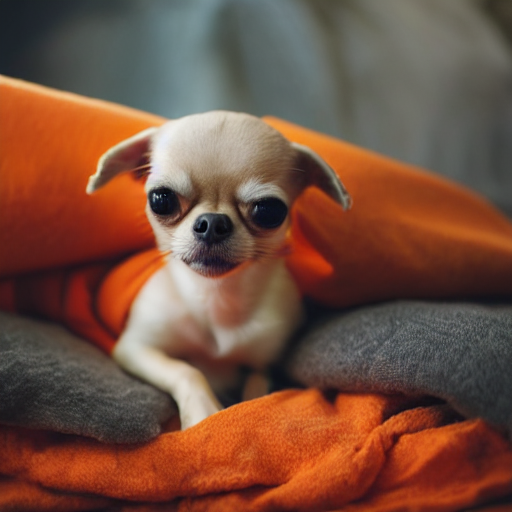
(410, 234)
(80, 260)
(458, 352)
(309, 454)
(52, 380)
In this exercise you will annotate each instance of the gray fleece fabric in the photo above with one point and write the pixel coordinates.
(461, 353)
(50, 379)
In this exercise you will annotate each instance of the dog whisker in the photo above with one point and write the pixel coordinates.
(141, 167)
(141, 171)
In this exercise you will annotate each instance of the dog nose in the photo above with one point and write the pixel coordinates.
(213, 228)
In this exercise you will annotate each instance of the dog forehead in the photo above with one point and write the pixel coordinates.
(221, 145)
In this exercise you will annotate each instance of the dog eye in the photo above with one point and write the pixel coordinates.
(269, 213)
(163, 201)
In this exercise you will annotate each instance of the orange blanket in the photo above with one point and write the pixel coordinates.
(292, 450)
(65, 256)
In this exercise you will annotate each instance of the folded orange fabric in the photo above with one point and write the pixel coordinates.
(80, 260)
(410, 233)
(292, 450)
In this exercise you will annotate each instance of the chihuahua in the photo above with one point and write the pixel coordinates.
(219, 188)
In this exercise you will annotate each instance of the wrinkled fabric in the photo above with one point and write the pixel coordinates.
(80, 260)
(292, 450)
(410, 234)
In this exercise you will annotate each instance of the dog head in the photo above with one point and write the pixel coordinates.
(219, 186)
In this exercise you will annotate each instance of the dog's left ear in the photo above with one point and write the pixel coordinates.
(319, 173)
(128, 155)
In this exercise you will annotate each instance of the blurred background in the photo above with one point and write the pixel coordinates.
(426, 81)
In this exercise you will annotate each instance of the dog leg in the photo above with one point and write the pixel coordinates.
(186, 384)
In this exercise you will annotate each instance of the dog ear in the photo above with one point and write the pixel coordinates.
(128, 155)
(319, 173)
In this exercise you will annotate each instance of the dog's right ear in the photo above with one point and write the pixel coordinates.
(128, 155)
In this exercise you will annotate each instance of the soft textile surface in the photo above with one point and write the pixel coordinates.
(51, 380)
(424, 81)
(292, 450)
(409, 235)
(461, 353)
(309, 452)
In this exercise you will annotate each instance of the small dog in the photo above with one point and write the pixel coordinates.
(219, 189)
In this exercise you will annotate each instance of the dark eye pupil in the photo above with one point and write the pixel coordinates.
(163, 201)
(269, 213)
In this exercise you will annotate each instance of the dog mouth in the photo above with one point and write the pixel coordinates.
(210, 265)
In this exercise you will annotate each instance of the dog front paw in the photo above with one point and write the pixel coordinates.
(196, 400)
(197, 408)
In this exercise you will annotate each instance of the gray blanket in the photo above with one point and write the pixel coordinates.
(460, 353)
(50, 379)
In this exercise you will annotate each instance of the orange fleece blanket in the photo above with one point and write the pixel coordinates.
(80, 260)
